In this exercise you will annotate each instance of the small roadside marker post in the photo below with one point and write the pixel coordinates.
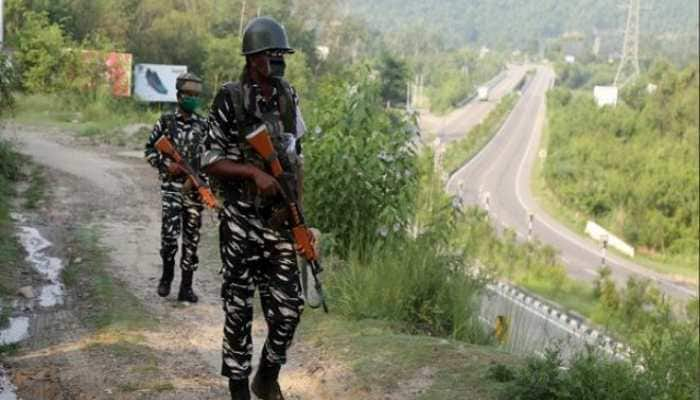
(605, 249)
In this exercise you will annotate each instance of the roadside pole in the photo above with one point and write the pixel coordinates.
(487, 204)
(530, 221)
(604, 251)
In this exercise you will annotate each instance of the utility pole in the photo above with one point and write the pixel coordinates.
(629, 65)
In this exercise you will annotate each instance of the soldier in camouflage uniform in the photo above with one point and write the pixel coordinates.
(256, 245)
(181, 207)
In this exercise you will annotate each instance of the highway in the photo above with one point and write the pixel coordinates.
(498, 179)
(460, 121)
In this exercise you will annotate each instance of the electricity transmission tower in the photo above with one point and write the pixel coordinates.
(629, 65)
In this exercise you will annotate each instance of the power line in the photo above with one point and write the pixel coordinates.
(629, 65)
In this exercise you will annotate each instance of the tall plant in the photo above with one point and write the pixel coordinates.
(361, 165)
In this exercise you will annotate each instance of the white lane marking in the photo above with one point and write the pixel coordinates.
(488, 145)
(564, 234)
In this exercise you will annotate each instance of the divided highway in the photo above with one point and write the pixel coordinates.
(498, 179)
(460, 121)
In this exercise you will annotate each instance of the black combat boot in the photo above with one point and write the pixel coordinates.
(167, 278)
(265, 384)
(239, 389)
(186, 292)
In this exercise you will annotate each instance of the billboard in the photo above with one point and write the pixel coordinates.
(112, 68)
(119, 73)
(156, 82)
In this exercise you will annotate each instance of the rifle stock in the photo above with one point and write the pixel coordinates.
(166, 147)
(261, 142)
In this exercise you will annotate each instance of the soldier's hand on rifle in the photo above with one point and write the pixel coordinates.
(175, 169)
(266, 184)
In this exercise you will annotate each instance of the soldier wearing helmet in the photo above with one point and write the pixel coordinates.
(256, 245)
(181, 206)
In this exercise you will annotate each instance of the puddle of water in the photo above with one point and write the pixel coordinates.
(50, 267)
(7, 389)
(16, 332)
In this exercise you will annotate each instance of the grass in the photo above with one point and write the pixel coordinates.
(35, 192)
(102, 119)
(401, 280)
(461, 151)
(685, 268)
(382, 357)
(575, 296)
(10, 248)
(116, 314)
(9, 350)
(113, 307)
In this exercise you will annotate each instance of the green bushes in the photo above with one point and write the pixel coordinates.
(413, 273)
(664, 368)
(7, 84)
(9, 248)
(595, 153)
(452, 76)
(408, 280)
(361, 167)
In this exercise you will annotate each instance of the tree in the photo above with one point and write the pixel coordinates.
(7, 84)
(42, 53)
(394, 74)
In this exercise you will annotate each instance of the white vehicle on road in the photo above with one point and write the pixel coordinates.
(483, 93)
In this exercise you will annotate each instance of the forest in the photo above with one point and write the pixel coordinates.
(667, 27)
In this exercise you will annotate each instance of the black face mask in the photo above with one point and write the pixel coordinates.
(276, 67)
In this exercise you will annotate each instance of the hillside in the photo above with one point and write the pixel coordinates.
(519, 24)
(652, 140)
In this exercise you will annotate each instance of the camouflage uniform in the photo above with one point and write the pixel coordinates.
(181, 212)
(256, 250)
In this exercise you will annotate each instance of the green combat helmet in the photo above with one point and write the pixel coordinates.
(190, 82)
(264, 33)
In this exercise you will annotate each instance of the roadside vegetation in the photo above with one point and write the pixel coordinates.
(461, 151)
(9, 176)
(452, 76)
(404, 261)
(650, 139)
(10, 249)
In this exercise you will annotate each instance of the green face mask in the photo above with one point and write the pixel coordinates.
(190, 103)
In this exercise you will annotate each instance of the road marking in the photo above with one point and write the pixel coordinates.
(481, 153)
(564, 234)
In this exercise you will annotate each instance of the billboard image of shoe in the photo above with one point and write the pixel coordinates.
(156, 82)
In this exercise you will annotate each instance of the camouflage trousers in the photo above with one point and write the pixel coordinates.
(181, 214)
(255, 256)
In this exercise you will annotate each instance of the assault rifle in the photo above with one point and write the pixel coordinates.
(165, 146)
(261, 142)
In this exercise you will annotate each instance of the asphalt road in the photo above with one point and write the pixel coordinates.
(498, 179)
(460, 121)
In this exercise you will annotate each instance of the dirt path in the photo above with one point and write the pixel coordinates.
(117, 193)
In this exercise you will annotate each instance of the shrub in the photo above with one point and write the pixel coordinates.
(361, 166)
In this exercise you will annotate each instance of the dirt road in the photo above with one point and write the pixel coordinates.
(116, 193)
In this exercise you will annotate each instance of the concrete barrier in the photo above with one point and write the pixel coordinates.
(600, 234)
(535, 324)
